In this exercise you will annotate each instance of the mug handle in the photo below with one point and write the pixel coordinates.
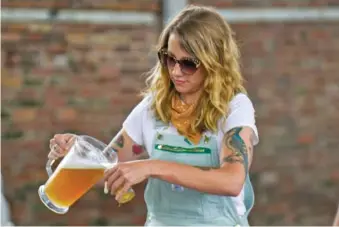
(49, 167)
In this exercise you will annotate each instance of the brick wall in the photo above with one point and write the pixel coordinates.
(293, 78)
(84, 78)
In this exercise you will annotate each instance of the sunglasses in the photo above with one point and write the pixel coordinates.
(188, 66)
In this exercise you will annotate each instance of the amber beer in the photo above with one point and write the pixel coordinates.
(82, 166)
(70, 183)
(74, 176)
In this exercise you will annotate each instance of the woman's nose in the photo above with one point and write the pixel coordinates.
(176, 70)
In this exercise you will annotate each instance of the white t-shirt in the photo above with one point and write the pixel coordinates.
(139, 125)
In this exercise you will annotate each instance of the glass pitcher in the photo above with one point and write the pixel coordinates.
(81, 168)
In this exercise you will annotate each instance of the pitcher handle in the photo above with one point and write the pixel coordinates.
(49, 167)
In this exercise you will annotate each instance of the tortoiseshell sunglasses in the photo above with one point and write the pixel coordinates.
(188, 66)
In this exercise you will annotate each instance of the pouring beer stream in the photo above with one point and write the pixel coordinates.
(81, 168)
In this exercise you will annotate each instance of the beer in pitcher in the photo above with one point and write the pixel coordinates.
(81, 168)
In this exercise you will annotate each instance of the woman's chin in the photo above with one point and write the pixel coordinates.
(181, 89)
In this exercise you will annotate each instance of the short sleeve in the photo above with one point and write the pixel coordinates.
(242, 113)
(133, 125)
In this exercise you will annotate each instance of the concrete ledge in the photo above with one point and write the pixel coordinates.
(81, 16)
(126, 17)
(281, 14)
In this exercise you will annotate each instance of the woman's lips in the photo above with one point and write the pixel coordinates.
(179, 82)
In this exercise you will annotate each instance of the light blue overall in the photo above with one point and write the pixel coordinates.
(170, 204)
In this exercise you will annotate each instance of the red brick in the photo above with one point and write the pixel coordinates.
(335, 175)
(306, 139)
(66, 114)
(24, 115)
(11, 81)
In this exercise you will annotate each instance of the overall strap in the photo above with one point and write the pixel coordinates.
(158, 124)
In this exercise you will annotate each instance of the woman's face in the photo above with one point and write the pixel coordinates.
(184, 83)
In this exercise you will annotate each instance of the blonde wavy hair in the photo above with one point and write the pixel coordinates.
(205, 35)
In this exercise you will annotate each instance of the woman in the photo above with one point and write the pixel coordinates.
(196, 124)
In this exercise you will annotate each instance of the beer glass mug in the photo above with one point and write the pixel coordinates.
(80, 169)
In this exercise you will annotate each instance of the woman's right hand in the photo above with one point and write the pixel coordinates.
(59, 145)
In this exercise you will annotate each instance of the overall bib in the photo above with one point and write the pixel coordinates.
(169, 204)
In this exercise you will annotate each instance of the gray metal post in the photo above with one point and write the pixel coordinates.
(171, 8)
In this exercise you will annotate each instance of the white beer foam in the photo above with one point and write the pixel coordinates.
(74, 161)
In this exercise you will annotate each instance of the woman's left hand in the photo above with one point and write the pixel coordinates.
(124, 175)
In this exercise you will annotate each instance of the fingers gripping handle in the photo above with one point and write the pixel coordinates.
(51, 161)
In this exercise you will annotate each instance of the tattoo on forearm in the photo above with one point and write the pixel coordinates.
(120, 141)
(236, 145)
